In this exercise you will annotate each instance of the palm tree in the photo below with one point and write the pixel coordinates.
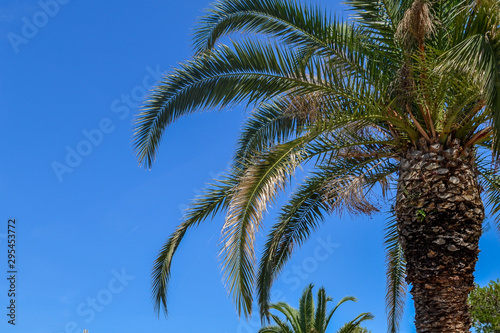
(403, 101)
(308, 319)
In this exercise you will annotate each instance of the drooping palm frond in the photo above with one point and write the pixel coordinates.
(294, 23)
(267, 126)
(258, 187)
(250, 71)
(214, 198)
(326, 191)
(287, 118)
(271, 124)
(346, 46)
(332, 311)
(215, 79)
(395, 273)
(306, 207)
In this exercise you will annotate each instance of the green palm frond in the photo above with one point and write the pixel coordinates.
(490, 181)
(306, 207)
(294, 23)
(216, 79)
(269, 125)
(252, 71)
(320, 317)
(257, 188)
(306, 309)
(214, 198)
(380, 20)
(351, 326)
(291, 314)
(330, 189)
(307, 28)
(332, 312)
(396, 273)
(381, 17)
(276, 121)
(281, 327)
(309, 318)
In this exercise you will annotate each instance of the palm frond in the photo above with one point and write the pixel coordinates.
(214, 198)
(306, 309)
(396, 273)
(252, 71)
(269, 125)
(381, 17)
(295, 23)
(258, 187)
(280, 327)
(351, 326)
(306, 209)
(223, 77)
(292, 315)
(342, 301)
(490, 181)
(320, 323)
(306, 28)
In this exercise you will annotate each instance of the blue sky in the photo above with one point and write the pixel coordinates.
(89, 227)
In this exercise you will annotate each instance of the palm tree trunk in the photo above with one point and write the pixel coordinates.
(440, 213)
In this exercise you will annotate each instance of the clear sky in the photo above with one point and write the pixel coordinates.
(90, 221)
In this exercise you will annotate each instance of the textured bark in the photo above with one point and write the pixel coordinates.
(440, 213)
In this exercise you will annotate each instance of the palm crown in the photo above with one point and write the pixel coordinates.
(354, 98)
(311, 318)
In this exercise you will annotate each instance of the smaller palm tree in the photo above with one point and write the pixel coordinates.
(307, 319)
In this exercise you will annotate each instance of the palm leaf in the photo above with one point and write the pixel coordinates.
(253, 71)
(351, 326)
(212, 199)
(396, 273)
(320, 323)
(258, 187)
(306, 309)
(281, 327)
(332, 312)
(306, 209)
(490, 180)
(267, 126)
(291, 21)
